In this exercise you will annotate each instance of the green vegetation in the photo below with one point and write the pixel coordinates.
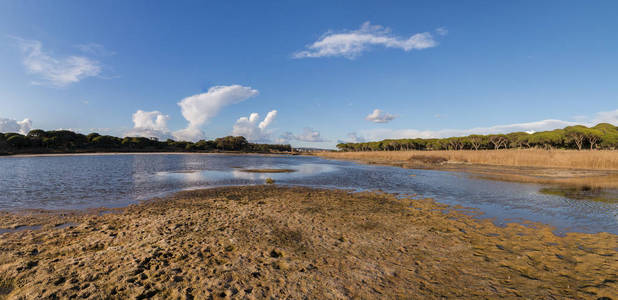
(601, 136)
(64, 141)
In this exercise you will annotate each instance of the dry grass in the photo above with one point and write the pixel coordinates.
(592, 160)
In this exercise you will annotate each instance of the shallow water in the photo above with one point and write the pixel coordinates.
(68, 182)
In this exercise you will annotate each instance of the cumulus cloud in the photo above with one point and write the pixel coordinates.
(252, 130)
(149, 124)
(351, 44)
(56, 71)
(198, 109)
(10, 125)
(308, 135)
(352, 137)
(530, 127)
(378, 116)
(270, 117)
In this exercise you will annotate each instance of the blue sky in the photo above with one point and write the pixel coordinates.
(431, 68)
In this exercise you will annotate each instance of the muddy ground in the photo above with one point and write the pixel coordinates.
(296, 243)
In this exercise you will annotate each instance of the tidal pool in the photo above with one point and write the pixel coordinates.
(85, 181)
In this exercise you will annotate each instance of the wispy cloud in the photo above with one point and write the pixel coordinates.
(95, 49)
(308, 135)
(56, 71)
(150, 124)
(198, 109)
(352, 137)
(351, 44)
(378, 116)
(548, 124)
(10, 125)
(252, 130)
(442, 31)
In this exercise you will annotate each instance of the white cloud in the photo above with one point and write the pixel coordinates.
(352, 137)
(308, 135)
(442, 31)
(351, 44)
(251, 130)
(10, 125)
(56, 71)
(95, 49)
(191, 134)
(606, 117)
(198, 109)
(378, 116)
(149, 124)
(270, 117)
(543, 125)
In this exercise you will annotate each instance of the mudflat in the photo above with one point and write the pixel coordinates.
(291, 242)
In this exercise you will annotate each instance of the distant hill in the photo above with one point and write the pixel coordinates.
(64, 141)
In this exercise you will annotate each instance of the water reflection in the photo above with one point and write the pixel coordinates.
(117, 180)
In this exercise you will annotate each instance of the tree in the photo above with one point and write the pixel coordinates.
(18, 141)
(576, 134)
(231, 143)
(476, 141)
(546, 139)
(515, 140)
(609, 139)
(594, 136)
(498, 140)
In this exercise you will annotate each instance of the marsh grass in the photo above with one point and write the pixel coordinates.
(571, 159)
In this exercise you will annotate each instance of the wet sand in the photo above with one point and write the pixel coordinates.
(282, 242)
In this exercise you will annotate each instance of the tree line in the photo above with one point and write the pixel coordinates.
(65, 141)
(601, 136)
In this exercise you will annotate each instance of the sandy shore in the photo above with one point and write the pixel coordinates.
(275, 242)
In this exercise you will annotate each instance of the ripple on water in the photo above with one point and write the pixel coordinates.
(68, 182)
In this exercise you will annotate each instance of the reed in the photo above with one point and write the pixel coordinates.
(571, 159)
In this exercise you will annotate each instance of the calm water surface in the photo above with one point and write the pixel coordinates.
(64, 182)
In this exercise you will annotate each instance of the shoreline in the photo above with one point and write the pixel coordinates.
(269, 241)
(567, 177)
(138, 153)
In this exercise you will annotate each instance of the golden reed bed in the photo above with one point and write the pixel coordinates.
(594, 160)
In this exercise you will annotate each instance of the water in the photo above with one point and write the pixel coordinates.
(67, 182)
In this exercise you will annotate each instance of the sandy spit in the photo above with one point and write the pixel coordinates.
(272, 242)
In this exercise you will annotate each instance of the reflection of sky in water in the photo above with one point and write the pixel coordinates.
(227, 177)
(116, 180)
